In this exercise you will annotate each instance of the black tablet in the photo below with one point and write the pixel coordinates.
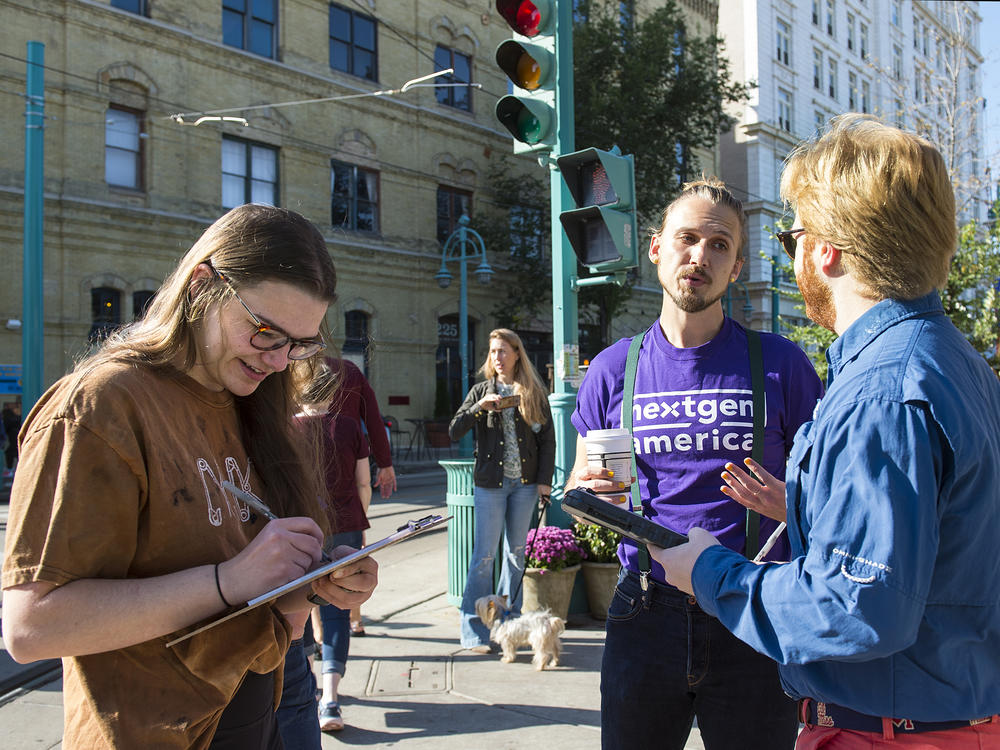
(589, 506)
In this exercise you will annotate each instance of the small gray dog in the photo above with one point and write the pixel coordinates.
(540, 630)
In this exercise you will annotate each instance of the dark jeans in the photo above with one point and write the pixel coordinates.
(248, 722)
(297, 717)
(667, 662)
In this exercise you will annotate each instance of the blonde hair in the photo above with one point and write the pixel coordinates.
(883, 197)
(527, 382)
(248, 245)
(715, 192)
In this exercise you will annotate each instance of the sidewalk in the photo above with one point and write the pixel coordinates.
(408, 681)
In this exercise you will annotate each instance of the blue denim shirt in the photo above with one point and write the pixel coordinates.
(891, 603)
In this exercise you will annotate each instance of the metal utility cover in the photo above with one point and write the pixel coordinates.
(406, 677)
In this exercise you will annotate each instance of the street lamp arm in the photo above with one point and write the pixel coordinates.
(412, 83)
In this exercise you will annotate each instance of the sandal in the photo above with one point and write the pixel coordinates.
(357, 629)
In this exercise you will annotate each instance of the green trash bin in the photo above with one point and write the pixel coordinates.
(461, 527)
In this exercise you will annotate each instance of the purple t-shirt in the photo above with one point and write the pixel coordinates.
(692, 412)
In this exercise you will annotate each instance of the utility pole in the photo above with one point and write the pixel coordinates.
(565, 327)
(538, 61)
(32, 330)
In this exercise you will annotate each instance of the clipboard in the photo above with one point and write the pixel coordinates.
(404, 532)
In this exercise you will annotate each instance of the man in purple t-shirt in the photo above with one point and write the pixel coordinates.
(665, 660)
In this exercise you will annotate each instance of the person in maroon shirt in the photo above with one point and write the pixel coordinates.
(355, 398)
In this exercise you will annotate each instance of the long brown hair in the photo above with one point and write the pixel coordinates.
(248, 245)
(527, 382)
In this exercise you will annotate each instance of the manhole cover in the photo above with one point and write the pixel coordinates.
(408, 677)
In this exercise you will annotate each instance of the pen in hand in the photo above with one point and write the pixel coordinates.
(258, 505)
(251, 500)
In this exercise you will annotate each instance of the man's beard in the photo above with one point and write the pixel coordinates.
(815, 293)
(688, 300)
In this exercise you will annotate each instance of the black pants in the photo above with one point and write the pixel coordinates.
(249, 722)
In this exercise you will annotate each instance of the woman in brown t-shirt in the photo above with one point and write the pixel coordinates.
(120, 536)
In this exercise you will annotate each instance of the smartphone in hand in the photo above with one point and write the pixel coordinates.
(505, 402)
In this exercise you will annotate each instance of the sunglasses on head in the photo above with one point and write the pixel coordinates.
(789, 240)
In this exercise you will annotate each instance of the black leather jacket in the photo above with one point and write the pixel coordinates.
(537, 448)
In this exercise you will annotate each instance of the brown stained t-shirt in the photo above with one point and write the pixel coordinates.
(119, 477)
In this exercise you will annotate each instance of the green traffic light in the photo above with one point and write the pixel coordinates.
(529, 126)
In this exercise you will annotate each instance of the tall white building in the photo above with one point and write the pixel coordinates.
(911, 62)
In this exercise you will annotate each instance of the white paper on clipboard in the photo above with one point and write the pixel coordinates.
(408, 531)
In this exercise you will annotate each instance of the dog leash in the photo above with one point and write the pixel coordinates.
(527, 555)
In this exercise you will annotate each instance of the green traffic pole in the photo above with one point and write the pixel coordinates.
(565, 332)
(32, 360)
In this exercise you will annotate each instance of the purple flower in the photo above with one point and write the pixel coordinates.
(553, 548)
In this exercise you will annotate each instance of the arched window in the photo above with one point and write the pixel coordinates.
(356, 339)
(140, 301)
(106, 312)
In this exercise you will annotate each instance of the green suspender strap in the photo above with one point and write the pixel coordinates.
(757, 452)
(628, 393)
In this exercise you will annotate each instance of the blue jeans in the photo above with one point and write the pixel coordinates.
(336, 621)
(667, 662)
(297, 718)
(504, 510)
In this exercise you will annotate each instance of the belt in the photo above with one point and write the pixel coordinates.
(813, 713)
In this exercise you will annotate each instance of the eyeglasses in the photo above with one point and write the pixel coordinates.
(268, 338)
(789, 240)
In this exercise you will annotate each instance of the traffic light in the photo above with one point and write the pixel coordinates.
(602, 229)
(529, 61)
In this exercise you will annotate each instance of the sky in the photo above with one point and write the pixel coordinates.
(989, 40)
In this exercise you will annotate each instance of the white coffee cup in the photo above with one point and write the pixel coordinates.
(611, 449)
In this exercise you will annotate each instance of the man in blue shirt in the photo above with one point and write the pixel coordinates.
(886, 622)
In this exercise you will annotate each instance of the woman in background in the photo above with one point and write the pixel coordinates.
(515, 457)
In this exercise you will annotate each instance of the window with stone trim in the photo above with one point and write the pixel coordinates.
(123, 147)
(251, 25)
(249, 172)
(785, 110)
(451, 204)
(353, 42)
(447, 92)
(105, 312)
(353, 197)
(783, 36)
(140, 302)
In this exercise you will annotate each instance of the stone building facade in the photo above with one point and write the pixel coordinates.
(162, 114)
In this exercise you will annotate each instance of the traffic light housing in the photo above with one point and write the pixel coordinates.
(602, 228)
(529, 62)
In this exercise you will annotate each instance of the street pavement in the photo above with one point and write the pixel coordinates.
(408, 681)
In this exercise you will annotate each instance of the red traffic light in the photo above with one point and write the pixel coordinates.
(523, 16)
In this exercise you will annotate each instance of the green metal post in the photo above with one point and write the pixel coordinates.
(32, 359)
(565, 334)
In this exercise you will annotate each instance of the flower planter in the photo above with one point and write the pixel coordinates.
(600, 579)
(549, 589)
